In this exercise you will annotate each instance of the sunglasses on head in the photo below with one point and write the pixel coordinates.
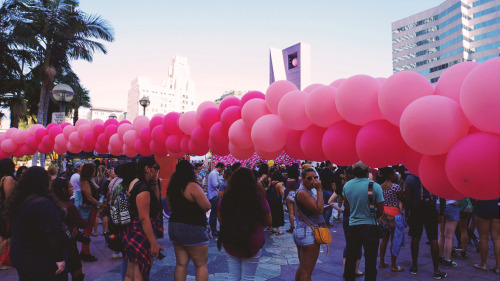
(310, 178)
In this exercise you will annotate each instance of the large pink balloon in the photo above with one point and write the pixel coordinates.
(124, 128)
(185, 144)
(60, 141)
(229, 116)
(47, 142)
(433, 177)
(269, 155)
(399, 90)
(204, 105)
(111, 121)
(32, 130)
(140, 122)
(379, 144)
(218, 135)
(275, 92)
(171, 123)
(411, 160)
(41, 149)
(73, 148)
(198, 149)
(241, 153)
(57, 149)
(292, 146)
(158, 149)
(145, 136)
(479, 151)
(432, 124)
(54, 132)
(129, 138)
(142, 148)
(99, 148)
(311, 143)
(311, 87)
(75, 139)
(337, 83)
(450, 82)
(103, 140)
(158, 134)
(173, 143)
(357, 99)
(96, 122)
(187, 122)
(219, 149)
(269, 133)
(320, 106)
(240, 135)
(252, 95)
(253, 110)
(157, 120)
(208, 117)
(339, 143)
(8, 146)
(129, 151)
(228, 102)
(40, 133)
(115, 142)
(108, 131)
(17, 138)
(292, 110)
(80, 122)
(479, 97)
(199, 137)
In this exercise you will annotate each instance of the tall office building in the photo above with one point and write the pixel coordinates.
(176, 93)
(292, 64)
(455, 31)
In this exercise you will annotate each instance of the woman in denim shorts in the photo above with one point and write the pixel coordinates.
(187, 224)
(449, 210)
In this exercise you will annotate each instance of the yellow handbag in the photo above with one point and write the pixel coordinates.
(322, 235)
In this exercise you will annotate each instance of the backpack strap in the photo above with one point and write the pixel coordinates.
(371, 201)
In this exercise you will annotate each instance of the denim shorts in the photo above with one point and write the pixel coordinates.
(187, 234)
(451, 212)
(303, 236)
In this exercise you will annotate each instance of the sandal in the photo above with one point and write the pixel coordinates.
(478, 266)
(495, 269)
(397, 269)
(279, 233)
(384, 265)
(290, 230)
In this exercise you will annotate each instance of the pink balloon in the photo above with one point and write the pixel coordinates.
(240, 135)
(451, 80)
(399, 91)
(269, 133)
(218, 135)
(115, 142)
(173, 143)
(98, 129)
(198, 149)
(57, 149)
(23, 136)
(54, 132)
(158, 149)
(204, 105)
(142, 148)
(381, 80)
(171, 123)
(129, 151)
(269, 155)
(187, 122)
(73, 148)
(275, 92)
(42, 149)
(432, 124)
(124, 122)
(479, 96)
(339, 143)
(176, 155)
(209, 117)
(252, 95)
(90, 139)
(47, 142)
(357, 100)
(40, 133)
(292, 110)
(111, 121)
(68, 130)
(380, 144)
(8, 146)
(228, 102)
(158, 134)
(199, 137)
(16, 138)
(292, 145)
(320, 106)
(241, 153)
(253, 110)
(75, 139)
(96, 122)
(185, 144)
(103, 140)
(4, 154)
(117, 151)
(337, 83)
(311, 87)
(110, 130)
(145, 136)
(60, 141)
(129, 139)
(311, 143)
(123, 128)
(433, 177)
(83, 129)
(80, 122)
(32, 130)
(63, 125)
(229, 116)
(141, 122)
(219, 149)
(49, 126)
(411, 160)
(477, 151)
(156, 121)
(32, 143)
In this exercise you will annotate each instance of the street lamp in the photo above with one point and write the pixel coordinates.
(113, 116)
(144, 102)
(62, 94)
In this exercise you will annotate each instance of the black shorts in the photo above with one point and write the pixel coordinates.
(487, 209)
(421, 216)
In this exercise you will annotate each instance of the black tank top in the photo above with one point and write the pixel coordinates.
(94, 192)
(185, 211)
(154, 205)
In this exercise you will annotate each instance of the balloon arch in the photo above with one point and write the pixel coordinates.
(449, 135)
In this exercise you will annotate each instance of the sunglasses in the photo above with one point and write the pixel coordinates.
(310, 178)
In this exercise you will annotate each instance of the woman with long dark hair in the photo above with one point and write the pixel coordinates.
(243, 212)
(187, 224)
(39, 243)
(274, 195)
(7, 185)
(90, 204)
(291, 186)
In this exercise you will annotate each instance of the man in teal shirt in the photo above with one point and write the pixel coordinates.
(362, 222)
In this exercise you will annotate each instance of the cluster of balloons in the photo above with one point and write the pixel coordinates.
(449, 134)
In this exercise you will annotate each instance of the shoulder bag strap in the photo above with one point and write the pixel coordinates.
(302, 216)
(371, 201)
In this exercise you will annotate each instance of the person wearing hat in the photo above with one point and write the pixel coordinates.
(362, 223)
(75, 181)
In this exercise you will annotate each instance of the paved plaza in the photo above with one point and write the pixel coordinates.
(279, 262)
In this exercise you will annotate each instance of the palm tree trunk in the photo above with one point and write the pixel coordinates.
(14, 119)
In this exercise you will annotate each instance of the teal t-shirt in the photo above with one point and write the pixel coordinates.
(356, 193)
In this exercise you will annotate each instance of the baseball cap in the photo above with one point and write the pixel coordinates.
(360, 165)
(78, 164)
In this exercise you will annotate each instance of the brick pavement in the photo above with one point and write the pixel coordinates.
(279, 262)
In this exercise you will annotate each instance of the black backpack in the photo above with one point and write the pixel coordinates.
(272, 195)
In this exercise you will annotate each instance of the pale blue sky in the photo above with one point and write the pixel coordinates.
(227, 42)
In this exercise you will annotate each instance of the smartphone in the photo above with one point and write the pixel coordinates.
(326, 206)
(161, 255)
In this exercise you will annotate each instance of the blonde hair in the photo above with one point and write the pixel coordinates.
(305, 166)
(52, 170)
(100, 173)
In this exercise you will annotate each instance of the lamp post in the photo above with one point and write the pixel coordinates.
(112, 116)
(144, 102)
(62, 94)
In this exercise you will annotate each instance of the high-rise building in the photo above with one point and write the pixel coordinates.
(292, 64)
(102, 113)
(176, 93)
(455, 31)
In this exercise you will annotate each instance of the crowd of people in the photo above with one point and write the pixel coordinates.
(45, 213)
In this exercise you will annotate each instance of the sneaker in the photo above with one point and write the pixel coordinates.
(413, 271)
(440, 275)
(464, 256)
(117, 256)
(449, 264)
(87, 257)
(457, 247)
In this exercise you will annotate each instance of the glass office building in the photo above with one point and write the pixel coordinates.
(455, 31)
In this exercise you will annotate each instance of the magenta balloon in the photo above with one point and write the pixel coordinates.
(158, 149)
(379, 144)
(96, 122)
(117, 151)
(142, 148)
(124, 122)
(32, 130)
(241, 153)
(176, 155)
(110, 130)
(411, 160)
(200, 137)
(111, 122)
(433, 177)
(68, 130)
(145, 136)
(228, 102)
(123, 128)
(187, 122)
(171, 123)
(63, 125)
(292, 110)
(219, 149)
(40, 133)
(20, 137)
(337, 83)
(339, 143)
(103, 140)
(156, 121)
(311, 87)
(80, 122)
(240, 135)
(399, 91)
(479, 96)
(357, 100)
(140, 122)
(129, 139)
(98, 129)
(90, 138)
(204, 105)
(185, 144)
(173, 143)
(253, 110)
(129, 151)
(32, 143)
(252, 95)
(49, 126)
(480, 150)
(4, 155)
(47, 142)
(8, 146)
(275, 92)
(229, 116)
(73, 148)
(450, 82)
(57, 149)
(158, 135)
(292, 145)
(311, 143)
(320, 106)
(43, 149)
(83, 129)
(101, 148)
(218, 135)
(198, 149)
(209, 117)
(432, 124)
(115, 142)
(269, 155)
(269, 133)
(75, 139)
(55, 131)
